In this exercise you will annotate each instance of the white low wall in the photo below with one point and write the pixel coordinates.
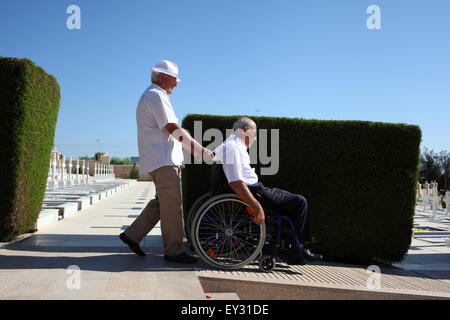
(121, 171)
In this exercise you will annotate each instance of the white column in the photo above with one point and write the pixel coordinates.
(61, 173)
(426, 196)
(78, 170)
(65, 175)
(435, 189)
(426, 186)
(419, 193)
(53, 185)
(435, 199)
(70, 172)
(87, 173)
(63, 160)
(83, 170)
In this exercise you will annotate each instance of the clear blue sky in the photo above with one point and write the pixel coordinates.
(307, 59)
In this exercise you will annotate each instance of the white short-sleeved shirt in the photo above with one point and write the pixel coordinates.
(157, 147)
(235, 160)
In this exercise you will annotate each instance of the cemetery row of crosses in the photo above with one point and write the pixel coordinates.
(70, 187)
(432, 215)
(61, 174)
(428, 198)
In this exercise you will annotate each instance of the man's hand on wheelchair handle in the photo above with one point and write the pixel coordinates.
(208, 155)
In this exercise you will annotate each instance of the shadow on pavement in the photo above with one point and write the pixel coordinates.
(114, 256)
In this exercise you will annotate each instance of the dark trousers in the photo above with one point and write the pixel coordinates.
(291, 205)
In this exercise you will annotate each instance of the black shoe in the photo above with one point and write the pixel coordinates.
(132, 245)
(182, 258)
(309, 256)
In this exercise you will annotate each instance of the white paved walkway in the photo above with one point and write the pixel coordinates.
(37, 267)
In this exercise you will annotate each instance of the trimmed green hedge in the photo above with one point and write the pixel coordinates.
(29, 104)
(359, 179)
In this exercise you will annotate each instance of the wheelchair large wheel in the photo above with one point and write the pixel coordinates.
(192, 210)
(224, 234)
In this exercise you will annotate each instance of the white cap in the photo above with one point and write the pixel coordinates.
(167, 67)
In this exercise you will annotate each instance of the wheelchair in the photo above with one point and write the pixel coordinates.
(223, 234)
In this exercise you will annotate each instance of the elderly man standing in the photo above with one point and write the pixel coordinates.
(243, 181)
(160, 141)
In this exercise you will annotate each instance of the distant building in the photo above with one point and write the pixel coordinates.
(135, 160)
(105, 158)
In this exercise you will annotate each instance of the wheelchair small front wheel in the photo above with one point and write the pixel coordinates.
(267, 263)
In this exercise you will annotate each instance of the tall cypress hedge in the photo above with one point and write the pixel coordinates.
(358, 177)
(29, 104)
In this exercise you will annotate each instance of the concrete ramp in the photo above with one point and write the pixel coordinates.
(323, 281)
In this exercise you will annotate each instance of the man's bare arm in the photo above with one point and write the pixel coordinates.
(189, 143)
(241, 189)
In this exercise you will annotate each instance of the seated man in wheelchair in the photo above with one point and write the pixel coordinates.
(244, 182)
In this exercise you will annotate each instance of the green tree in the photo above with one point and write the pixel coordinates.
(134, 172)
(444, 180)
(435, 167)
(98, 155)
(430, 169)
(119, 161)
